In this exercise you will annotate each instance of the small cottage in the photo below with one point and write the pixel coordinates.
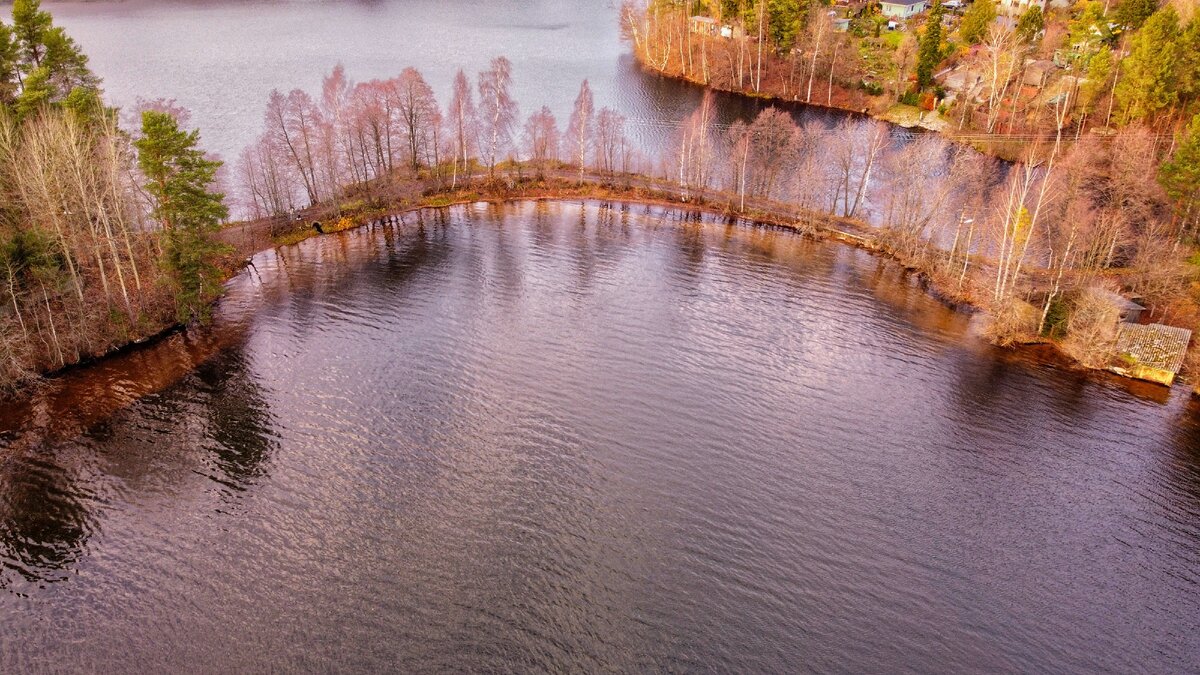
(704, 25)
(1130, 311)
(903, 9)
(1018, 7)
(1152, 352)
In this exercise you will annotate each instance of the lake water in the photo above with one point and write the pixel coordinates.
(588, 437)
(570, 437)
(222, 59)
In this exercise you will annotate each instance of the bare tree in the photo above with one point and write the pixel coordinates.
(463, 122)
(542, 138)
(419, 114)
(610, 139)
(695, 154)
(771, 140)
(498, 111)
(581, 128)
(1004, 52)
(738, 141)
(292, 123)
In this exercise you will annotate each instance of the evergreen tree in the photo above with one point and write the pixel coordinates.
(975, 22)
(1031, 23)
(67, 63)
(1189, 63)
(1087, 33)
(784, 20)
(1099, 69)
(929, 54)
(9, 62)
(1148, 78)
(1133, 13)
(36, 93)
(30, 24)
(1180, 176)
(178, 180)
(40, 64)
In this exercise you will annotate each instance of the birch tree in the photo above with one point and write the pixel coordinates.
(463, 122)
(497, 111)
(581, 128)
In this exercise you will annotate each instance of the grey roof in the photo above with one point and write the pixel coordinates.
(1121, 302)
(906, 3)
(1154, 345)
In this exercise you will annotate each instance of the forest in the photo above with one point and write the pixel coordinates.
(1096, 105)
(105, 233)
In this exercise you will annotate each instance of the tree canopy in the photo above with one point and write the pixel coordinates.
(1149, 74)
(1180, 175)
(179, 178)
(929, 54)
(975, 21)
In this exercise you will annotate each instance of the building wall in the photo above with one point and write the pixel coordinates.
(1019, 6)
(903, 11)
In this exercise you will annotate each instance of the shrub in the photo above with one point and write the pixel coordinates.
(1012, 321)
(1092, 328)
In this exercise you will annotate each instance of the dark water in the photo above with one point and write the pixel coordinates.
(549, 437)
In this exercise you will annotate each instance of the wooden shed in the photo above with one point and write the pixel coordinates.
(1152, 352)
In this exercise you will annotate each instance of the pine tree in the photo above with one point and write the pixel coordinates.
(930, 51)
(40, 64)
(1149, 77)
(1099, 69)
(1133, 13)
(9, 62)
(1087, 33)
(784, 20)
(1180, 176)
(1031, 23)
(975, 22)
(1189, 63)
(178, 180)
(30, 24)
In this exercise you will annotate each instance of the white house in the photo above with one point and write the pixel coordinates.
(1016, 7)
(903, 9)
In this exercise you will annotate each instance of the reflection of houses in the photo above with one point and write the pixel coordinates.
(902, 9)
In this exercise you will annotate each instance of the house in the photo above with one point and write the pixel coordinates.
(1152, 352)
(903, 9)
(1037, 72)
(841, 25)
(704, 25)
(1130, 311)
(1017, 7)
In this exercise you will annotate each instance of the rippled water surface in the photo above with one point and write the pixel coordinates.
(589, 437)
(221, 58)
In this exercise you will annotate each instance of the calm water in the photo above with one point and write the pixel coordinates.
(222, 59)
(549, 437)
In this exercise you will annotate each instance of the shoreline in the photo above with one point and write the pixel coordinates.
(890, 115)
(555, 185)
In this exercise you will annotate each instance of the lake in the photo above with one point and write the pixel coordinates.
(564, 436)
(570, 436)
(222, 59)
